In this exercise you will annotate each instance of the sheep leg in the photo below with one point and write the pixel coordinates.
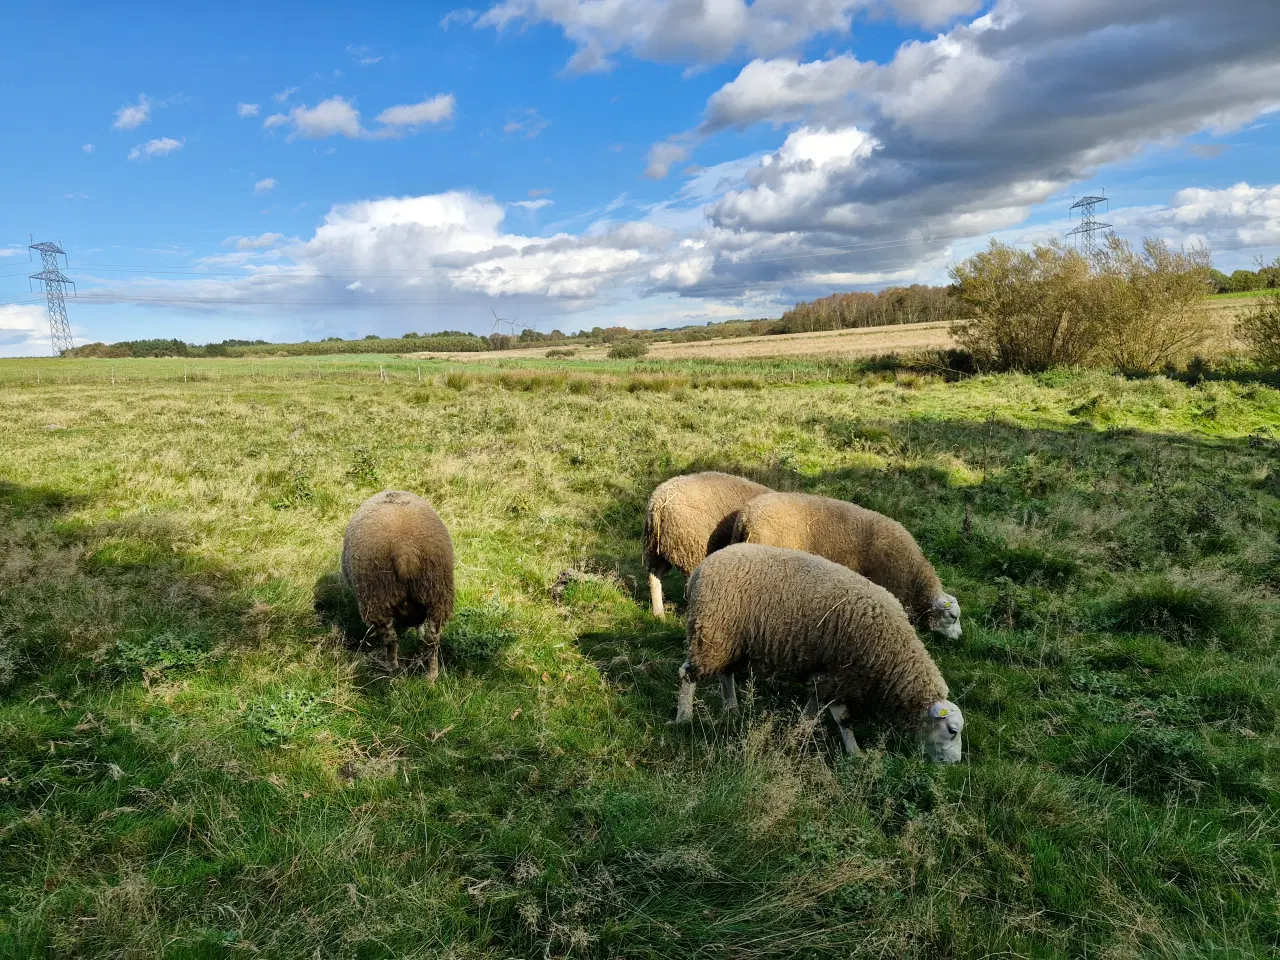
(840, 714)
(392, 637)
(655, 596)
(684, 704)
(429, 654)
(728, 693)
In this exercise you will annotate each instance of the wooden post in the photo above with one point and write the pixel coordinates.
(113, 376)
(419, 374)
(184, 373)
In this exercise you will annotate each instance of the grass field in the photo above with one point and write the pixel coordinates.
(195, 761)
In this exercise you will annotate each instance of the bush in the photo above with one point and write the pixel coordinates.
(1260, 330)
(561, 353)
(1050, 306)
(630, 349)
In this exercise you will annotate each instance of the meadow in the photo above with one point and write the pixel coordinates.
(197, 759)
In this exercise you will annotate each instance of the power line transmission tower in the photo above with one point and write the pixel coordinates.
(1084, 232)
(55, 287)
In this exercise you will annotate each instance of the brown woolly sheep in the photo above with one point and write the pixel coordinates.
(869, 543)
(687, 518)
(801, 617)
(398, 558)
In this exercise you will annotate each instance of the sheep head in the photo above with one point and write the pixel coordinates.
(941, 732)
(944, 617)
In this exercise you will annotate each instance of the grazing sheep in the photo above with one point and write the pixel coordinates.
(687, 518)
(398, 558)
(801, 617)
(866, 542)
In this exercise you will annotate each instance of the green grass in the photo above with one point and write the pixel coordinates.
(197, 760)
(1238, 295)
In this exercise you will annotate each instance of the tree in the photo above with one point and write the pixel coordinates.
(1220, 281)
(1242, 281)
(1260, 329)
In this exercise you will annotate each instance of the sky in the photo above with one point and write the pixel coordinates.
(288, 171)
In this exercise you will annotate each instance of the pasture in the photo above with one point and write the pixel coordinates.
(196, 760)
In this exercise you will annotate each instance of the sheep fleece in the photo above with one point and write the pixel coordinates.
(869, 543)
(692, 516)
(398, 558)
(799, 616)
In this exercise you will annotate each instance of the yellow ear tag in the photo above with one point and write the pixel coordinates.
(946, 605)
(943, 712)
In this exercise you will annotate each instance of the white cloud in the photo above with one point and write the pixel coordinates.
(24, 331)
(256, 243)
(355, 286)
(663, 156)
(532, 205)
(704, 31)
(411, 116)
(87, 148)
(778, 91)
(12, 251)
(364, 55)
(155, 148)
(338, 116)
(1239, 216)
(247, 109)
(263, 186)
(463, 15)
(529, 125)
(284, 94)
(132, 116)
(326, 119)
(75, 196)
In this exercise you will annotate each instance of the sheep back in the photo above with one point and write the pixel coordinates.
(691, 516)
(869, 543)
(398, 558)
(798, 616)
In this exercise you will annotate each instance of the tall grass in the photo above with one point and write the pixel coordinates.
(199, 758)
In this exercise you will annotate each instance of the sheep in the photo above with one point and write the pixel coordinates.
(802, 617)
(869, 543)
(398, 558)
(687, 518)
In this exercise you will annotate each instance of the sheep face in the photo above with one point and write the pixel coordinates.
(944, 618)
(941, 733)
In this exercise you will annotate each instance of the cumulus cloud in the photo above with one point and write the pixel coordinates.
(338, 116)
(87, 148)
(133, 115)
(704, 31)
(663, 156)
(264, 186)
(1239, 216)
(412, 116)
(161, 147)
(778, 91)
(24, 331)
(247, 109)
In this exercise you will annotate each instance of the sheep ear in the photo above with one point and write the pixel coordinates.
(938, 711)
(943, 603)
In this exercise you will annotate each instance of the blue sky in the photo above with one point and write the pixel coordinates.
(287, 172)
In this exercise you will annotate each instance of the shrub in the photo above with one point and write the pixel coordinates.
(1026, 305)
(561, 353)
(629, 349)
(1050, 306)
(1260, 330)
(1150, 305)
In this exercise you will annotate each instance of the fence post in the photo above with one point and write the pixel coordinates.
(419, 374)
(113, 376)
(184, 373)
